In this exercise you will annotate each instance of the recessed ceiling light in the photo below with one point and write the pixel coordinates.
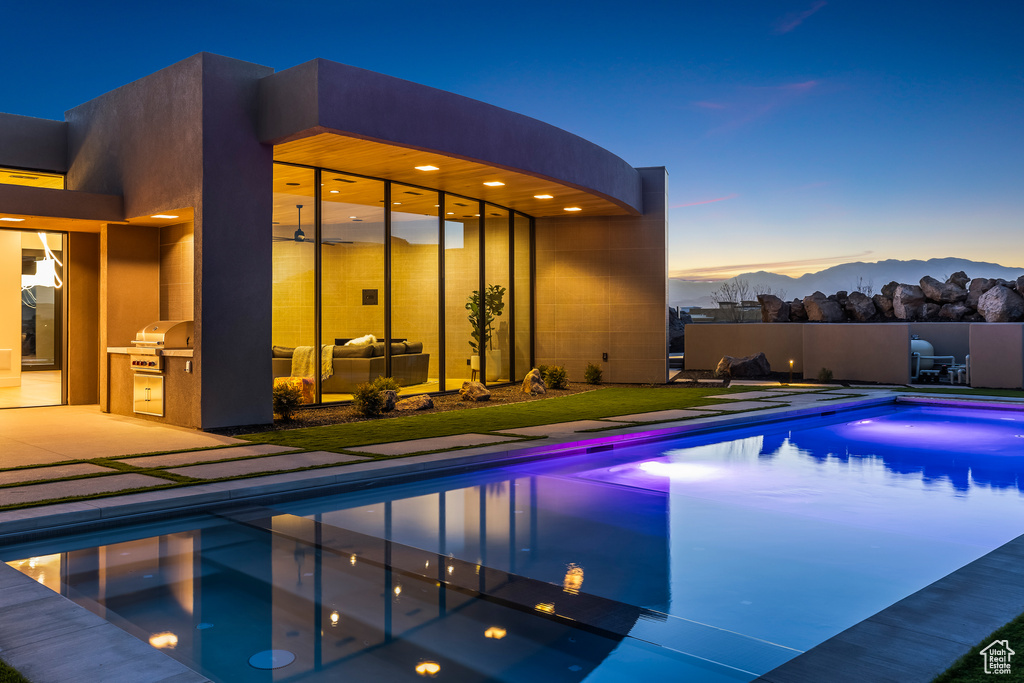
(353, 216)
(494, 183)
(163, 215)
(573, 208)
(543, 196)
(477, 215)
(396, 202)
(451, 213)
(335, 191)
(427, 168)
(12, 220)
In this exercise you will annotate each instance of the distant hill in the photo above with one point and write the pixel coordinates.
(841, 277)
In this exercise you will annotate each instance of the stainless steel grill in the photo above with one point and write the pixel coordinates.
(165, 334)
(148, 363)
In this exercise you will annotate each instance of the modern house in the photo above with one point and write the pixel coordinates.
(235, 220)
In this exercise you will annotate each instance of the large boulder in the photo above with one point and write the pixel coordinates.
(959, 278)
(1001, 305)
(860, 307)
(821, 309)
(773, 309)
(883, 304)
(418, 402)
(474, 391)
(749, 366)
(797, 312)
(390, 399)
(942, 292)
(931, 311)
(1020, 285)
(533, 383)
(908, 302)
(889, 289)
(954, 312)
(978, 286)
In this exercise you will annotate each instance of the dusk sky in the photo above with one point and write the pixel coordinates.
(797, 135)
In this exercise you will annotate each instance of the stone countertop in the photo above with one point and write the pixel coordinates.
(136, 351)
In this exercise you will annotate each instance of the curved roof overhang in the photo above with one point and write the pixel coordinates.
(326, 114)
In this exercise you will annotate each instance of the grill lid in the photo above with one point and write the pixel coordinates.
(166, 334)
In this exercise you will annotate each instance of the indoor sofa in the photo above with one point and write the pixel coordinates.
(355, 365)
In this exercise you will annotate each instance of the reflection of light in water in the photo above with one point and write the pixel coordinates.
(398, 591)
(682, 471)
(495, 632)
(335, 617)
(164, 641)
(573, 579)
(546, 607)
(352, 560)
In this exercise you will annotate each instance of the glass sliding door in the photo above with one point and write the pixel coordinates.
(415, 351)
(497, 285)
(523, 302)
(461, 285)
(31, 318)
(352, 295)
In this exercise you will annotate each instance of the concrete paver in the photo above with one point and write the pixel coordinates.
(55, 472)
(176, 459)
(656, 416)
(806, 398)
(747, 395)
(273, 463)
(559, 428)
(76, 487)
(738, 405)
(435, 444)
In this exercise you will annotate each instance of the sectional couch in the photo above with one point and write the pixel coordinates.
(354, 365)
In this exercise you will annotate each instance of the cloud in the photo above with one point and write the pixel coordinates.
(729, 271)
(756, 103)
(794, 19)
(705, 201)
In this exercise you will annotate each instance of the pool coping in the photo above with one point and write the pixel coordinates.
(46, 659)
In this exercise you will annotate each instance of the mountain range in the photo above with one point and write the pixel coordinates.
(845, 276)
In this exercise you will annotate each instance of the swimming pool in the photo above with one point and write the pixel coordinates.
(711, 558)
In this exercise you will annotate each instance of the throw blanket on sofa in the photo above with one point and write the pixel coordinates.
(304, 361)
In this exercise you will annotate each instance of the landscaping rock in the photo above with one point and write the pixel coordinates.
(797, 312)
(1020, 285)
(390, 397)
(750, 366)
(773, 309)
(474, 391)
(883, 304)
(418, 402)
(908, 302)
(942, 293)
(1001, 305)
(890, 289)
(533, 383)
(860, 307)
(931, 310)
(820, 309)
(978, 286)
(954, 312)
(959, 278)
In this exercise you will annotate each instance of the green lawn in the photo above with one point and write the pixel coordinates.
(592, 405)
(969, 393)
(10, 675)
(970, 668)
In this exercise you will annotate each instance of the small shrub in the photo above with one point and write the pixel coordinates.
(824, 375)
(386, 383)
(368, 400)
(543, 370)
(287, 399)
(556, 378)
(593, 374)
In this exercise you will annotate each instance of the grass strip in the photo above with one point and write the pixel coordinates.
(8, 674)
(966, 393)
(971, 667)
(593, 405)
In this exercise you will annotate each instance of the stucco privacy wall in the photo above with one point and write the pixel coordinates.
(82, 266)
(707, 343)
(182, 137)
(324, 96)
(601, 287)
(38, 144)
(997, 355)
(862, 352)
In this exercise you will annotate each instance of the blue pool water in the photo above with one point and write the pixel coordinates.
(706, 558)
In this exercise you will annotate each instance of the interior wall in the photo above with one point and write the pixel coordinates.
(602, 288)
(177, 264)
(84, 356)
(10, 308)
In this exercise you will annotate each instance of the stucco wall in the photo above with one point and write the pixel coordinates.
(861, 352)
(83, 310)
(36, 144)
(997, 355)
(601, 288)
(707, 343)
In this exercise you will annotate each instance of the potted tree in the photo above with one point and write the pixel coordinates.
(490, 309)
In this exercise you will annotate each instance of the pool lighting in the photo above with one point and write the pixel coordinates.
(495, 632)
(573, 208)
(494, 183)
(163, 215)
(335, 617)
(428, 668)
(164, 641)
(543, 196)
(427, 168)
(545, 607)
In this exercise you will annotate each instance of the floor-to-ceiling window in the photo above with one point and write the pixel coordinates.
(31, 318)
(396, 280)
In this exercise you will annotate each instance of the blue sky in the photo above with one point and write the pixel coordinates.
(797, 134)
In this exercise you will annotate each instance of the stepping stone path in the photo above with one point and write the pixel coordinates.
(656, 416)
(176, 459)
(56, 472)
(435, 444)
(274, 463)
(76, 487)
